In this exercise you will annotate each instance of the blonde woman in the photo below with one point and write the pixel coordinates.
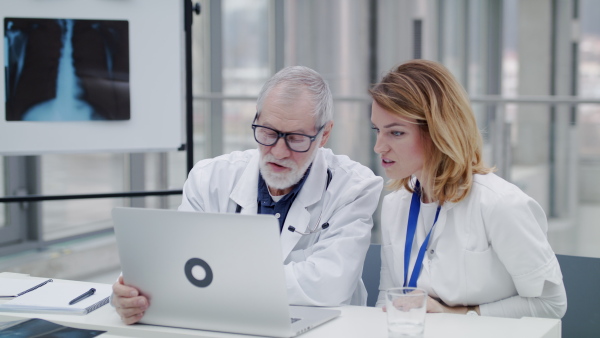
(475, 242)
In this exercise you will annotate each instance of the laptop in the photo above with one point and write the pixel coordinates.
(216, 272)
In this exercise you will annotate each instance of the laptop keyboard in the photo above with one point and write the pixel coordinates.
(295, 320)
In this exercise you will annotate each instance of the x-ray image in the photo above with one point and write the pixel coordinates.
(36, 327)
(66, 70)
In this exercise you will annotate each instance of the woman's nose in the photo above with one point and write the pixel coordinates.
(380, 146)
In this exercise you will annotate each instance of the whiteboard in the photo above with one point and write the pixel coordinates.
(156, 81)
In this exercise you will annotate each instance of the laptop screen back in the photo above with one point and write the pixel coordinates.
(220, 272)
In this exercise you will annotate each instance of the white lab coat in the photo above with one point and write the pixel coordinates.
(490, 246)
(324, 268)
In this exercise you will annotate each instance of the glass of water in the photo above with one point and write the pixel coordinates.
(406, 308)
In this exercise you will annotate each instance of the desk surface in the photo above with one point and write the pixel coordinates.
(355, 321)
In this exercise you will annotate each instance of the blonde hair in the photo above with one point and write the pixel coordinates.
(428, 93)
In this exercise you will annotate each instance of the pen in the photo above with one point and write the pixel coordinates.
(83, 296)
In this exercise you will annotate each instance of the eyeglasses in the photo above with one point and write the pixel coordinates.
(297, 142)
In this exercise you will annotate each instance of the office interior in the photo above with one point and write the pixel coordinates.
(530, 67)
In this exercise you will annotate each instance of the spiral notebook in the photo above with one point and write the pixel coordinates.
(53, 297)
(15, 287)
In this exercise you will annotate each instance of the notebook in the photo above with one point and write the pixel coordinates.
(53, 297)
(15, 287)
(217, 272)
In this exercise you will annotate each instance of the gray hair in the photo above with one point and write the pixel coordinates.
(290, 81)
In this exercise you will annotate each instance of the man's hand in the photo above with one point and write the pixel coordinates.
(128, 302)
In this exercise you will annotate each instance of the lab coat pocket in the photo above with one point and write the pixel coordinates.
(486, 279)
(299, 255)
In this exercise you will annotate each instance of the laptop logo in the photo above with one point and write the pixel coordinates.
(198, 272)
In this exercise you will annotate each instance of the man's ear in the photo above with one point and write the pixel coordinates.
(326, 133)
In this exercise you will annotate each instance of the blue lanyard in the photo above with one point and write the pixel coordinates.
(413, 216)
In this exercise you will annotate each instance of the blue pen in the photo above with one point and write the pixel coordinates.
(83, 296)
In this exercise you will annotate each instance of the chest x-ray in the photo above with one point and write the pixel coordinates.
(66, 69)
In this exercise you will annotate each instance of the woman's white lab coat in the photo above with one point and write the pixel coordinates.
(490, 246)
(323, 268)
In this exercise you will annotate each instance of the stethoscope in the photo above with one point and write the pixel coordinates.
(310, 231)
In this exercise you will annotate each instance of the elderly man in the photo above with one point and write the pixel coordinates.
(324, 202)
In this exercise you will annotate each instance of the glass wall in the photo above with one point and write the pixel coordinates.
(332, 37)
(588, 140)
(3, 207)
(79, 174)
(589, 87)
(237, 45)
(547, 147)
(245, 67)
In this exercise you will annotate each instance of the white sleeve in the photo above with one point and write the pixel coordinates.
(551, 304)
(192, 197)
(332, 270)
(517, 229)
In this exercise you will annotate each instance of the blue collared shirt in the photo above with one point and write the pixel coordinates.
(280, 209)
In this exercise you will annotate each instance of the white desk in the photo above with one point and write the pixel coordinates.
(355, 322)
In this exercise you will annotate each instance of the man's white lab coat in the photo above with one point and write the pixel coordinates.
(323, 268)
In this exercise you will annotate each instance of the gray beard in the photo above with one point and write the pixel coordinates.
(283, 180)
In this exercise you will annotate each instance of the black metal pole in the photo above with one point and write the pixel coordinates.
(38, 198)
(189, 108)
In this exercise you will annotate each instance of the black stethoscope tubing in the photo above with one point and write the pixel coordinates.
(291, 228)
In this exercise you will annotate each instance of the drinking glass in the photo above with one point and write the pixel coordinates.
(406, 308)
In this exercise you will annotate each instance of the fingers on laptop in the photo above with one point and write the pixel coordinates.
(132, 319)
(130, 306)
(131, 315)
(124, 290)
(132, 310)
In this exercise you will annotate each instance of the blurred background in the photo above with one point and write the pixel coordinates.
(530, 67)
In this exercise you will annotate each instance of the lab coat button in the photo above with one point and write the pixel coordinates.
(431, 252)
(277, 215)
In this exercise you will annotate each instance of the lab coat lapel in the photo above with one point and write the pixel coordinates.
(245, 191)
(298, 216)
